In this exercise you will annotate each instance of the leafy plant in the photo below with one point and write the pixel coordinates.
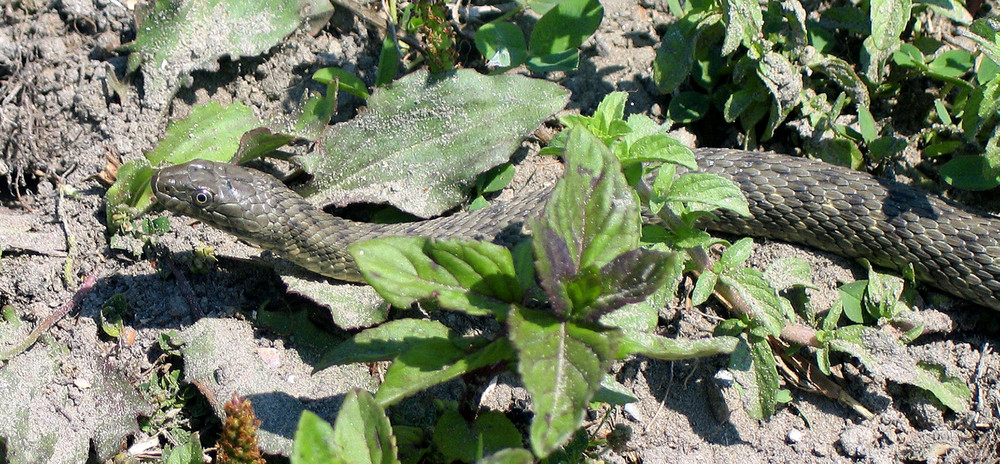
(591, 270)
(562, 28)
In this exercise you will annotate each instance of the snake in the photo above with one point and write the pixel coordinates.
(792, 199)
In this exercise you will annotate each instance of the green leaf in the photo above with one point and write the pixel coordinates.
(562, 365)
(970, 173)
(385, 342)
(675, 56)
(951, 9)
(630, 278)
(704, 287)
(952, 63)
(867, 123)
(981, 108)
(509, 456)
(660, 148)
(502, 45)
(688, 107)
(496, 179)
(844, 75)
(670, 349)
(189, 452)
(852, 295)
(563, 61)
(743, 20)
(790, 272)
(756, 374)
(735, 255)
(888, 20)
(468, 276)
(433, 362)
(590, 218)
(347, 82)
(259, 142)
(707, 192)
(489, 433)
(784, 81)
(565, 27)
(178, 38)
(363, 432)
(314, 442)
(211, 132)
(316, 113)
(388, 63)
(984, 32)
(768, 309)
(435, 135)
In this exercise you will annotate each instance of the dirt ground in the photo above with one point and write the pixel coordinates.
(72, 396)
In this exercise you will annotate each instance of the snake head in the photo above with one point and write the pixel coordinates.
(232, 198)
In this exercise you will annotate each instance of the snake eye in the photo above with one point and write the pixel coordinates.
(201, 197)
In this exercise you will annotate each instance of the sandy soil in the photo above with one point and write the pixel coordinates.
(73, 394)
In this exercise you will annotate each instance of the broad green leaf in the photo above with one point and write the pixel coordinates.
(743, 20)
(590, 218)
(433, 362)
(850, 18)
(468, 276)
(316, 113)
(768, 309)
(565, 27)
(735, 255)
(884, 291)
(675, 55)
(630, 278)
(347, 82)
(211, 132)
(852, 295)
(704, 287)
(489, 433)
(981, 108)
(952, 63)
(970, 173)
(385, 342)
(496, 40)
(362, 431)
(178, 38)
(259, 142)
(669, 349)
(612, 392)
(434, 135)
(708, 192)
(562, 365)
(867, 123)
(496, 179)
(888, 20)
(756, 374)
(189, 452)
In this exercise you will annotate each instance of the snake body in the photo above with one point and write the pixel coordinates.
(792, 199)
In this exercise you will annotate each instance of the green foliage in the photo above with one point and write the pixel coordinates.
(361, 434)
(554, 41)
(430, 20)
(589, 265)
(767, 66)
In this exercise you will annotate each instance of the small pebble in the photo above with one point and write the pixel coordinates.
(794, 436)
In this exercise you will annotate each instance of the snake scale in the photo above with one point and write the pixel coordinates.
(792, 199)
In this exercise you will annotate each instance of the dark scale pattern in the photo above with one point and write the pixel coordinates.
(791, 199)
(854, 214)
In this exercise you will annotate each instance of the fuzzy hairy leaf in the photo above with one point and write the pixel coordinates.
(669, 349)
(562, 365)
(468, 276)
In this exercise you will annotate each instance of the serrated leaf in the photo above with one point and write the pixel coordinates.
(590, 218)
(468, 276)
(434, 135)
(768, 309)
(433, 362)
(707, 192)
(561, 365)
(630, 278)
(754, 369)
(670, 349)
(385, 342)
(178, 38)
